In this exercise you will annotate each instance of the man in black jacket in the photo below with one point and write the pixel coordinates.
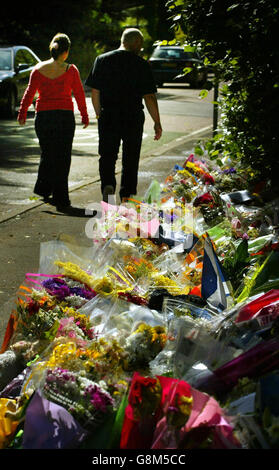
(120, 80)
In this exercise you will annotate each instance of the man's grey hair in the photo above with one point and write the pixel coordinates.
(130, 38)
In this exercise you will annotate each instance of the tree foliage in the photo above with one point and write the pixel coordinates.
(239, 38)
(94, 26)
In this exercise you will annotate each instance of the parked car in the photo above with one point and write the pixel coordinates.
(168, 64)
(16, 64)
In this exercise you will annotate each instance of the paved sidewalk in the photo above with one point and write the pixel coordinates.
(182, 115)
(22, 234)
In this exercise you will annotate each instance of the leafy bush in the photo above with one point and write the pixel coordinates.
(238, 39)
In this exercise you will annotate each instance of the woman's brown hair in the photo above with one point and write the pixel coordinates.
(60, 43)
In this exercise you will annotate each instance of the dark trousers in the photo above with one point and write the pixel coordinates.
(114, 128)
(55, 131)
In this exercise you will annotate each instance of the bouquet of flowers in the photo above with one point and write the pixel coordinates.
(143, 345)
(167, 413)
(98, 359)
(229, 179)
(86, 400)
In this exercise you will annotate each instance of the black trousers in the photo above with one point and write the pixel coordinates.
(113, 128)
(55, 130)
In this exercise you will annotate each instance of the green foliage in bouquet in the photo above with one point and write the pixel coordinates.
(237, 263)
(264, 277)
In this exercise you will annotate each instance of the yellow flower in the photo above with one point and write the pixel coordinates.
(7, 425)
(61, 354)
(75, 272)
(103, 286)
(167, 283)
(185, 405)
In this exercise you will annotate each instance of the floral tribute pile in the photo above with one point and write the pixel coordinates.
(164, 334)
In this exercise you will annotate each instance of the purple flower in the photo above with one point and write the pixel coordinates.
(59, 375)
(57, 287)
(100, 399)
(86, 294)
(229, 171)
(170, 217)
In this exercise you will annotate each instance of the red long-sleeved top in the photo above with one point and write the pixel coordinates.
(54, 93)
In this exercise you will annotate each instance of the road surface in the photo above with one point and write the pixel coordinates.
(183, 113)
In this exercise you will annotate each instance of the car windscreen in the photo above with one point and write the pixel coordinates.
(5, 59)
(162, 53)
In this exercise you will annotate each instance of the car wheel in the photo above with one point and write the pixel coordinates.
(11, 105)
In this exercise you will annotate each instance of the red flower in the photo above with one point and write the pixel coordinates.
(207, 178)
(33, 307)
(204, 199)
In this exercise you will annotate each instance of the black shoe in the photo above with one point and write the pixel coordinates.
(49, 200)
(43, 194)
(108, 191)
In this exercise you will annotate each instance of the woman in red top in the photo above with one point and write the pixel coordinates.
(55, 80)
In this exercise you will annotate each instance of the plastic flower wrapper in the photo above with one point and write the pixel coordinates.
(65, 249)
(111, 316)
(183, 187)
(180, 185)
(179, 226)
(194, 342)
(153, 193)
(174, 308)
(245, 220)
(116, 248)
(170, 275)
(125, 317)
(118, 281)
(191, 270)
(264, 308)
(147, 277)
